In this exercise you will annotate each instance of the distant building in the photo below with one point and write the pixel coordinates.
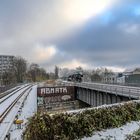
(5, 64)
(130, 77)
(110, 78)
(136, 71)
(134, 77)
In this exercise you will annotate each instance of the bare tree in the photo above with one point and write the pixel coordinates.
(43, 74)
(19, 67)
(36, 73)
(56, 71)
(33, 70)
(8, 77)
(101, 74)
(95, 77)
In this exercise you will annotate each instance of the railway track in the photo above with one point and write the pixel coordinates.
(8, 92)
(2, 99)
(12, 104)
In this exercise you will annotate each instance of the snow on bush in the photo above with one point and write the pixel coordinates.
(70, 126)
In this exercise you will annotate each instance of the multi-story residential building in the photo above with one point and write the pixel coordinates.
(5, 64)
(110, 78)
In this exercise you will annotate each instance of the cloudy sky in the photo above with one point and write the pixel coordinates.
(72, 33)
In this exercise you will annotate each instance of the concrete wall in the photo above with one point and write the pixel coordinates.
(97, 98)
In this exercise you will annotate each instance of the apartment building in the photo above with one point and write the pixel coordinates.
(5, 64)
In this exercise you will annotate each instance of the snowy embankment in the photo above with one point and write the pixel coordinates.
(8, 120)
(28, 110)
(114, 133)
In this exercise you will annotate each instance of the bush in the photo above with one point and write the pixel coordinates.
(77, 125)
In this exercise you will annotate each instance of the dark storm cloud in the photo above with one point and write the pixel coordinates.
(109, 39)
(43, 32)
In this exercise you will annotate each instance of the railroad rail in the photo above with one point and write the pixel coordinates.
(10, 94)
(7, 110)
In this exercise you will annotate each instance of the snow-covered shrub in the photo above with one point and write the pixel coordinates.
(66, 126)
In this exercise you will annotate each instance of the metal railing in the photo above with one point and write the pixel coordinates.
(115, 89)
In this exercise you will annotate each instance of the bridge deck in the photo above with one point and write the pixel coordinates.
(128, 91)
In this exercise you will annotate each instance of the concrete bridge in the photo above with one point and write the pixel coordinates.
(96, 94)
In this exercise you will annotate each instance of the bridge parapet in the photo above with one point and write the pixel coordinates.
(127, 91)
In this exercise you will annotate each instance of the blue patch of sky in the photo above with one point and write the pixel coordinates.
(137, 10)
(96, 22)
(102, 27)
(132, 8)
(106, 18)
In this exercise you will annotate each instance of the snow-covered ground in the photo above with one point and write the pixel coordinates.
(8, 101)
(115, 133)
(29, 108)
(7, 122)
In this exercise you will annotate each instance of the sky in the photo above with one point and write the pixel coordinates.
(72, 33)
